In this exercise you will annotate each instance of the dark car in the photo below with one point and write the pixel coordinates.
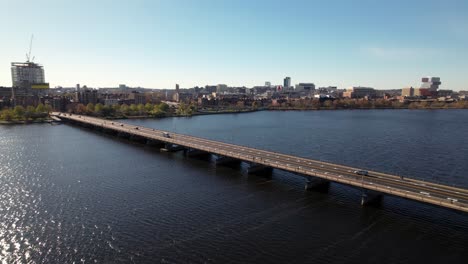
(362, 172)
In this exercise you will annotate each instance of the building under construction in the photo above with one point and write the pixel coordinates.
(28, 75)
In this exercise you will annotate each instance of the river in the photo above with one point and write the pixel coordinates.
(68, 194)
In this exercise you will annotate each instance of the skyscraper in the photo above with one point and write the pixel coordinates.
(287, 82)
(176, 96)
(26, 74)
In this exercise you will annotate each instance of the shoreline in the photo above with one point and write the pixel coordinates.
(48, 120)
(25, 122)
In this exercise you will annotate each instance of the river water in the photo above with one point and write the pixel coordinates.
(68, 194)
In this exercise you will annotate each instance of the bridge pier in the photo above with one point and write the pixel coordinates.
(169, 147)
(369, 197)
(255, 168)
(316, 183)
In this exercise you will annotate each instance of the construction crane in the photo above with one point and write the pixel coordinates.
(28, 55)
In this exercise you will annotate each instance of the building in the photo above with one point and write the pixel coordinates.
(137, 97)
(359, 92)
(5, 92)
(26, 73)
(111, 101)
(431, 83)
(423, 92)
(287, 82)
(308, 87)
(210, 88)
(28, 76)
(86, 96)
(445, 93)
(268, 84)
(407, 92)
(176, 96)
(221, 88)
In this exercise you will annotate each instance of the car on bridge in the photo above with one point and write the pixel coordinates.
(165, 134)
(362, 172)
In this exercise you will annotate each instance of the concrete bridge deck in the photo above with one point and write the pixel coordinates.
(373, 183)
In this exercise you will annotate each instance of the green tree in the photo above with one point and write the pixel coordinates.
(19, 112)
(148, 107)
(90, 108)
(141, 109)
(7, 115)
(163, 107)
(107, 110)
(133, 108)
(30, 112)
(40, 108)
(98, 108)
(47, 108)
(125, 109)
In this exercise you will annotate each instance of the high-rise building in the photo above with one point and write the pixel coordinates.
(268, 84)
(176, 96)
(287, 82)
(431, 83)
(27, 74)
(310, 87)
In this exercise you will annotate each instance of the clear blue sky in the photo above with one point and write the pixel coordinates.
(155, 44)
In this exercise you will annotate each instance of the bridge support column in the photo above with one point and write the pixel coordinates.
(255, 168)
(169, 147)
(223, 160)
(316, 183)
(370, 197)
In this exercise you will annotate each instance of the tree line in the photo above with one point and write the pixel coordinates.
(124, 110)
(29, 113)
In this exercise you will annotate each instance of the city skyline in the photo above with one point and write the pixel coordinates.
(155, 45)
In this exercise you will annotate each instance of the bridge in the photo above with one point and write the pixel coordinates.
(317, 173)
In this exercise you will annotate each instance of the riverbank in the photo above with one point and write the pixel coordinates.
(361, 108)
(180, 115)
(25, 122)
(47, 120)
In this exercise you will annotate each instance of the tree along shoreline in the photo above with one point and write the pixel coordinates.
(30, 115)
(21, 115)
